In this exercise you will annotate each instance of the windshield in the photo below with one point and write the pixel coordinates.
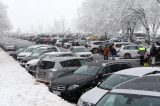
(42, 56)
(88, 70)
(128, 100)
(29, 50)
(114, 80)
(80, 50)
(37, 53)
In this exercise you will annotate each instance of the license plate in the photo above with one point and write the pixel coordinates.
(57, 93)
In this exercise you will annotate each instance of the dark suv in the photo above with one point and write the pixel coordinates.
(86, 77)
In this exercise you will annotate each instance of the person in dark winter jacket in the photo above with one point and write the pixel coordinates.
(153, 53)
(113, 52)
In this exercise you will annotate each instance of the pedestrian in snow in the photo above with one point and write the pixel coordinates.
(106, 52)
(153, 53)
(146, 59)
(141, 52)
(113, 52)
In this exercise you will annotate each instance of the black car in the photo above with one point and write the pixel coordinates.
(72, 86)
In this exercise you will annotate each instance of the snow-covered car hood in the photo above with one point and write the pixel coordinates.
(93, 95)
(33, 62)
(83, 53)
(24, 54)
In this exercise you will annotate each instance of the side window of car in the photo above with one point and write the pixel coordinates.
(71, 63)
(133, 48)
(125, 66)
(126, 48)
(115, 67)
(66, 55)
(54, 49)
(107, 69)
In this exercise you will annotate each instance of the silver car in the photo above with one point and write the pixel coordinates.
(50, 68)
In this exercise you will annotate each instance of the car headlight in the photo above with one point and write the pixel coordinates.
(73, 87)
(80, 103)
(50, 74)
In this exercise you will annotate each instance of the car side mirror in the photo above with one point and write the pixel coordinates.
(100, 75)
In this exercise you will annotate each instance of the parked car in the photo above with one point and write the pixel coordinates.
(28, 51)
(8, 47)
(50, 68)
(139, 38)
(129, 51)
(143, 91)
(84, 78)
(14, 54)
(43, 39)
(32, 64)
(91, 97)
(59, 43)
(118, 45)
(67, 44)
(81, 51)
(94, 45)
(39, 51)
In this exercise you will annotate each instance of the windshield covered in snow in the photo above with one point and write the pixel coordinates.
(114, 80)
(29, 49)
(128, 100)
(38, 52)
(88, 70)
(42, 56)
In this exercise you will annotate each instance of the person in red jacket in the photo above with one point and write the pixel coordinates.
(106, 52)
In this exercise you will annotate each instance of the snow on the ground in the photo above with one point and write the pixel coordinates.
(18, 88)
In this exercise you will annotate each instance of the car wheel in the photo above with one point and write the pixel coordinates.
(127, 55)
(68, 46)
(94, 51)
(139, 42)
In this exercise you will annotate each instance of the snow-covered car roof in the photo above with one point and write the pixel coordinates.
(57, 53)
(58, 59)
(138, 71)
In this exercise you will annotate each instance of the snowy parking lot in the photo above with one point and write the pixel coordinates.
(18, 88)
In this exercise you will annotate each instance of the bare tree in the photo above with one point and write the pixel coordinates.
(4, 20)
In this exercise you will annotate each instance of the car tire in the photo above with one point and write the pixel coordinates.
(94, 50)
(58, 45)
(68, 47)
(127, 55)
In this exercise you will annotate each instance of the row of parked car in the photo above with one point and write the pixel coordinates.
(74, 76)
(98, 83)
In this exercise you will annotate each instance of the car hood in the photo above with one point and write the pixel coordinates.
(93, 95)
(24, 54)
(33, 62)
(73, 79)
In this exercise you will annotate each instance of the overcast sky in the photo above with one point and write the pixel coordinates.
(30, 15)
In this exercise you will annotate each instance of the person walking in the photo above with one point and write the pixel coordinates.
(146, 59)
(113, 52)
(153, 54)
(141, 52)
(106, 52)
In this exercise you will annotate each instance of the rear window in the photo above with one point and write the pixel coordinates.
(46, 64)
(118, 45)
(71, 63)
(98, 43)
(66, 55)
